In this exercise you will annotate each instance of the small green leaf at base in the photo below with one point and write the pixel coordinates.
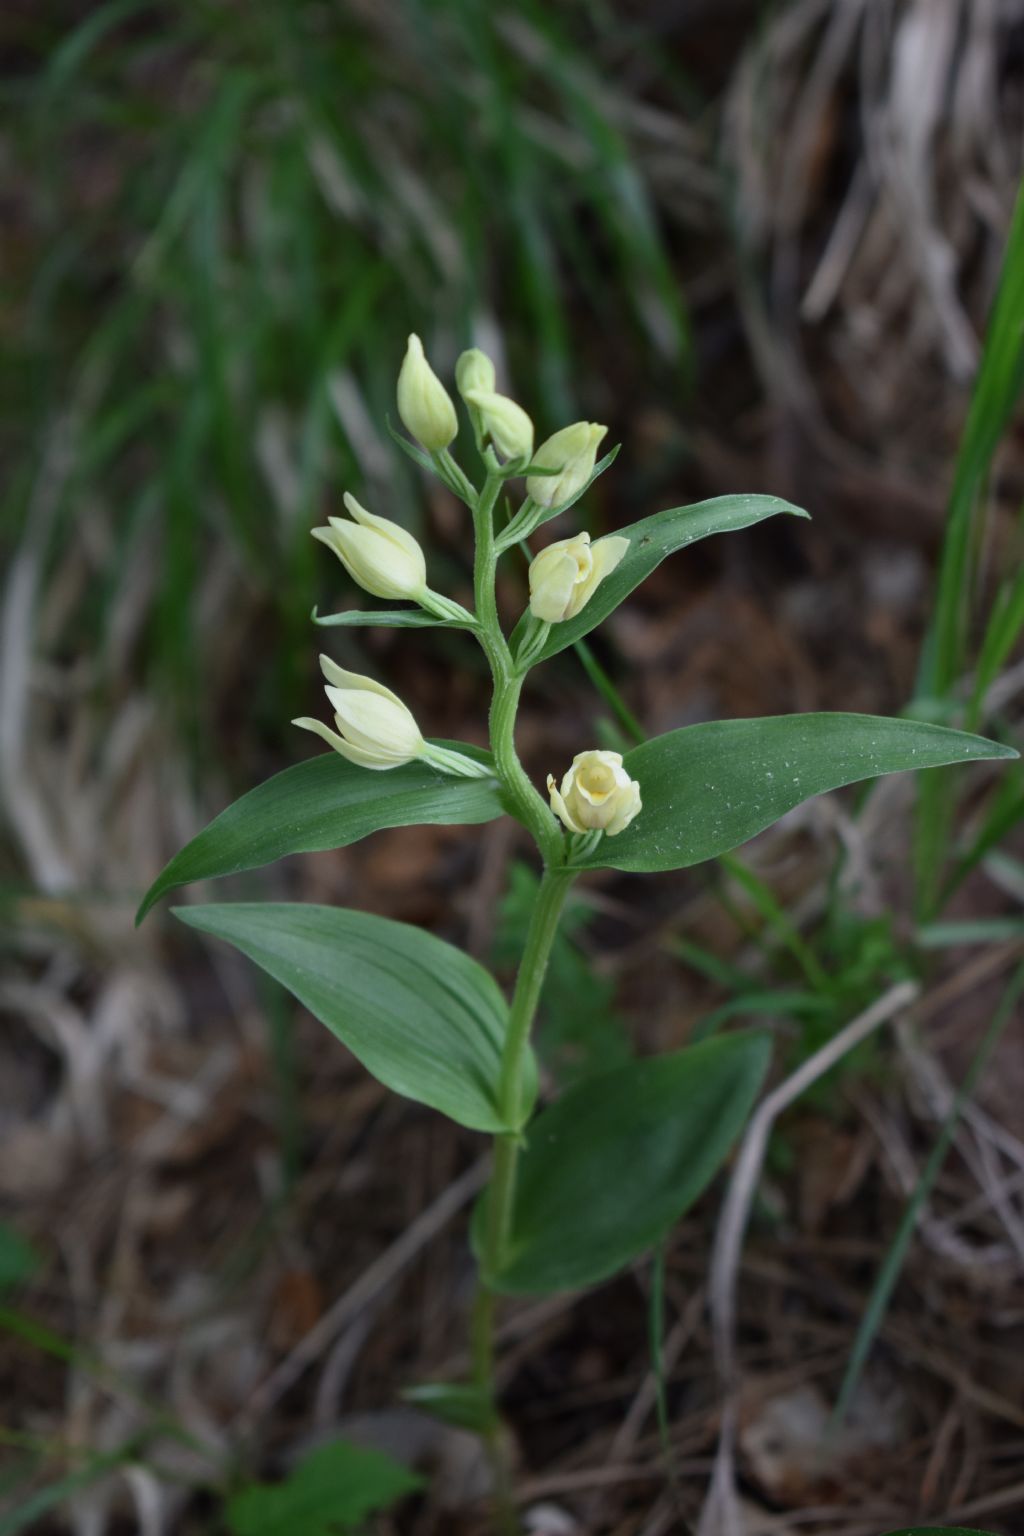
(609, 1169)
(326, 803)
(423, 1017)
(458, 1403)
(331, 1491)
(708, 788)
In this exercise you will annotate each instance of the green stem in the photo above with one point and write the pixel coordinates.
(554, 888)
(529, 807)
(525, 803)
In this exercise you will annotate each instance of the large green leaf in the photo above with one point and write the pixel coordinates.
(332, 1490)
(325, 803)
(615, 1162)
(708, 788)
(650, 540)
(420, 1015)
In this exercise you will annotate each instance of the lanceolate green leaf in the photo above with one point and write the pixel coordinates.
(708, 788)
(611, 1166)
(325, 803)
(423, 1017)
(650, 540)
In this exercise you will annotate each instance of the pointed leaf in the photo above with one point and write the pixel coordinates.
(385, 618)
(708, 788)
(423, 1017)
(650, 540)
(612, 1166)
(326, 802)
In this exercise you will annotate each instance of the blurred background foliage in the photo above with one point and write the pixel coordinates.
(763, 241)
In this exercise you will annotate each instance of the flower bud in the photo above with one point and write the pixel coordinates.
(374, 728)
(573, 451)
(474, 371)
(597, 794)
(424, 404)
(509, 427)
(564, 577)
(382, 557)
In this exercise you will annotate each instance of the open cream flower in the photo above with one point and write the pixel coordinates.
(572, 451)
(597, 794)
(564, 576)
(381, 556)
(374, 727)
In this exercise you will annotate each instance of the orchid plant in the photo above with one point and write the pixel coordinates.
(583, 1186)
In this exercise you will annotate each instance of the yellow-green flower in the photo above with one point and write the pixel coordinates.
(424, 404)
(506, 423)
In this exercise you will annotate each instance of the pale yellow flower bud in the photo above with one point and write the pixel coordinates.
(475, 371)
(573, 450)
(374, 727)
(597, 794)
(509, 427)
(424, 404)
(564, 577)
(381, 556)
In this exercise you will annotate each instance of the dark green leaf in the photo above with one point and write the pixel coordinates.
(611, 1166)
(708, 788)
(423, 1017)
(325, 803)
(650, 541)
(333, 1489)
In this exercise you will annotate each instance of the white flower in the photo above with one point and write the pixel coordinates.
(380, 555)
(573, 450)
(376, 730)
(374, 727)
(564, 577)
(509, 427)
(597, 794)
(424, 404)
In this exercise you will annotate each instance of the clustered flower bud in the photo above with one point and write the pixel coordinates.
(596, 795)
(573, 451)
(475, 371)
(506, 423)
(424, 404)
(372, 727)
(380, 555)
(565, 575)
